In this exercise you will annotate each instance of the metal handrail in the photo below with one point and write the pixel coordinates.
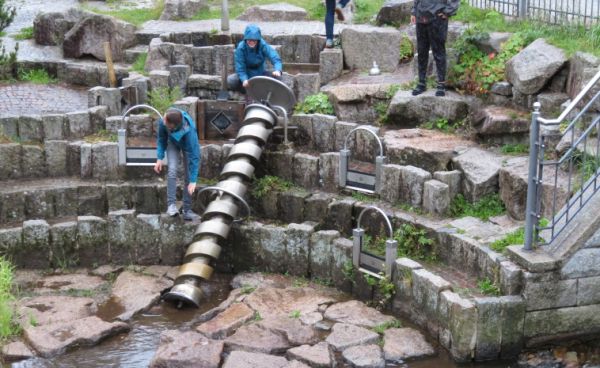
(537, 163)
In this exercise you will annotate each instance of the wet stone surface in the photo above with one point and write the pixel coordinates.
(28, 99)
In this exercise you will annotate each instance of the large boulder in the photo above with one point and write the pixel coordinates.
(181, 9)
(49, 29)
(531, 69)
(500, 125)
(395, 12)
(89, 34)
(280, 12)
(409, 111)
(364, 45)
(480, 169)
(582, 68)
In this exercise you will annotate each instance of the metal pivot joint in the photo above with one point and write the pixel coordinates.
(358, 180)
(368, 263)
(221, 203)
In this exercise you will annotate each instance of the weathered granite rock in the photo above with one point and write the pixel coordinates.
(254, 338)
(178, 76)
(11, 156)
(182, 9)
(10, 240)
(294, 331)
(91, 236)
(501, 125)
(452, 179)
(395, 12)
(66, 282)
(56, 157)
(502, 88)
(534, 66)
(33, 162)
(186, 349)
(436, 197)
(364, 356)
(49, 29)
(391, 182)
(412, 181)
(345, 335)
(551, 103)
(329, 171)
(493, 43)
(54, 339)
(480, 172)
(79, 124)
(320, 255)
(363, 45)
(34, 252)
(105, 163)
(316, 356)
(331, 64)
(242, 359)
(427, 149)
(31, 128)
(281, 302)
(280, 12)
(406, 110)
(16, 350)
(89, 34)
(9, 126)
(136, 293)
(52, 309)
(64, 243)
(226, 322)
(405, 343)
(55, 126)
(306, 170)
(356, 313)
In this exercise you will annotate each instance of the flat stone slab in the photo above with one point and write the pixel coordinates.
(243, 359)
(187, 349)
(76, 281)
(271, 302)
(16, 350)
(257, 279)
(405, 343)
(43, 310)
(428, 149)
(295, 332)
(364, 356)
(356, 313)
(344, 336)
(54, 339)
(136, 292)
(281, 12)
(316, 356)
(225, 323)
(254, 338)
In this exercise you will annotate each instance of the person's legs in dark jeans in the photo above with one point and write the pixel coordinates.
(438, 33)
(422, 56)
(329, 19)
(234, 83)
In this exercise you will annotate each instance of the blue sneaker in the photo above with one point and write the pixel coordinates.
(190, 215)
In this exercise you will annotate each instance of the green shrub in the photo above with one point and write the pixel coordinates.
(381, 328)
(140, 63)
(9, 326)
(316, 104)
(36, 76)
(268, 184)
(488, 287)
(407, 49)
(414, 243)
(516, 237)
(162, 98)
(24, 34)
(488, 206)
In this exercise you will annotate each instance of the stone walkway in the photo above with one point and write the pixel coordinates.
(26, 98)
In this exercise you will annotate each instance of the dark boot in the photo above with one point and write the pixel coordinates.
(441, 89)
(420, 88)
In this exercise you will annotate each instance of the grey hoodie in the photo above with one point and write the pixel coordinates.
(430, 8)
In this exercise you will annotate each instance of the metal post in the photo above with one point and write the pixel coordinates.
(357, 235)
(379, 161)
(531, 216)
(344, 157)
(391, 253)
(224, 16)
(122, 146)
(522, 8)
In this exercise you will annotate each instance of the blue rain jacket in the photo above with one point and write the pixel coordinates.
(250, 62)
(186, 139)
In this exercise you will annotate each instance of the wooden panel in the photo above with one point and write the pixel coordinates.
(232, 110)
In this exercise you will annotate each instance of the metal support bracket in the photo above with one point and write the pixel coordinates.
(368, 263)
(357, 180)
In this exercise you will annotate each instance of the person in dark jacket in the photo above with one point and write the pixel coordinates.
(333, 7)
(431, 18)
(250, 57)
(177, 136)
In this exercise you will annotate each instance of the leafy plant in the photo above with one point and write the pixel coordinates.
(8, 324)
(387, 290)
(257, 317)
(381, 328)
(488, 287)
(439, 124)
(362, 197)
(268, 184)
(163, 97)
(414, 243)
(8, 61)
(24, 34)
(36, 76)
(374, 246)
(316, 104)
(300, 282)
(295, 314)
(349, 271)
(247, 289)
(488, 206)
(516, 237)
(407, 49)
(139, 64)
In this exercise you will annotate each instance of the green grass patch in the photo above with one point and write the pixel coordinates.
(295, 314)
(268, 184)
(515, 149)
(9, 326)
(248, 289)
(488, 206)
(37, 76)
(366, 10)
(139, 64)
(133, 16)
(100, 136)
(381, 328)
(163, 97)
(315, 104)
(515, 238)
(488, 287)
(24, 34)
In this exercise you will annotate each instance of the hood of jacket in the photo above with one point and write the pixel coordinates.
(252, 32)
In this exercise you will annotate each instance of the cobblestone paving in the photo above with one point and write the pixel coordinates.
(26, 98)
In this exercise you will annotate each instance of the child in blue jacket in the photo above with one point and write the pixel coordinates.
(250, 56)
(177, 135)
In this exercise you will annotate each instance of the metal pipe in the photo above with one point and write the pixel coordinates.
(224, 16)
(531, 216)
